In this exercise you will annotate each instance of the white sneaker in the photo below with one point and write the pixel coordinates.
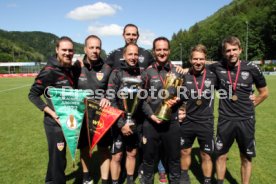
(87, 182)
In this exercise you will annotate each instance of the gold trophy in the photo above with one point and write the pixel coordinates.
(172, 82)
(130, 100)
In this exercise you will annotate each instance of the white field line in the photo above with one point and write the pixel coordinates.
(11, 89)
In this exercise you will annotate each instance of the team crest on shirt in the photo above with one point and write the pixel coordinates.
(244, 75)
(71, 122)
(99, 75)
(141, 59)
(207, 83)
(60, 146)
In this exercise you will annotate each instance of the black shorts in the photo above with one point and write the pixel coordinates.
(203, 131)
(105, 141)
(121, 142)
(240, 130)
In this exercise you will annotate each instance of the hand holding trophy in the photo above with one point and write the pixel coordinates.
(172, 82)
(130, 99)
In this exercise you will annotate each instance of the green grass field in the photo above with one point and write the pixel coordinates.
(24, 156)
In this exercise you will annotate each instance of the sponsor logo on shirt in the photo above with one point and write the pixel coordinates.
(62, 82)
(155, 80)
(182, 141)
(144, 140)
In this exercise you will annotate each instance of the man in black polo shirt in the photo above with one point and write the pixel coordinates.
(200, 83)
(155, 130)
(236, 110)
(131, 35)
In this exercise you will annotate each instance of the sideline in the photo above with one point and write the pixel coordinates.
(5, 90)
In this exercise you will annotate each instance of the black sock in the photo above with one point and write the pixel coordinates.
(184, 177)
(104, 181)
(129, 178)
(219, 181)
(207, 180)
(115, 181)
(86, 176)
(184, 174)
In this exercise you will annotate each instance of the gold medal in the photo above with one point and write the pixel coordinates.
(234, 98)
(198, 102)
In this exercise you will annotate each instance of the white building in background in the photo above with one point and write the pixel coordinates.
(179, 63)
(77, 56)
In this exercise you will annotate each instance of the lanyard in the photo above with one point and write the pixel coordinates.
(160, 77)
(234, 85)
(202, 83)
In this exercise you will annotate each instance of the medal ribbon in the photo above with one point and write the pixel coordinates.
(234, 86)
(202, 83)
(160, 77)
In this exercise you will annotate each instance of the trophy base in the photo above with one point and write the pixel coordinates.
(164, 113)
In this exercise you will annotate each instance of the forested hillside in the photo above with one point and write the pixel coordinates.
(253, 21)
(28, 46)
(253, 18)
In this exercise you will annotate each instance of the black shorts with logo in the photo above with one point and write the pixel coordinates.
(203, 131)
(240, 130)
(122, 142)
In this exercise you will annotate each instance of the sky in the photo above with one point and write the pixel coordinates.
(106, 19)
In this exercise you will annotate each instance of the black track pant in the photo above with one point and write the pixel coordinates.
(57, 153)
(169, 135)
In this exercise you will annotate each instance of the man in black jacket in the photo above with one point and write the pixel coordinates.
(123, 136)
(92, 74)
(57, 73)
(154, 129)
(145, 59)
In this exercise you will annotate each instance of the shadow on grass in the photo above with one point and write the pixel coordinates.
(94, 169)
(195, 168)
(76, 175)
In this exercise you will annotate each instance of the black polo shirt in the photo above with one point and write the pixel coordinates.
(250, 74)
